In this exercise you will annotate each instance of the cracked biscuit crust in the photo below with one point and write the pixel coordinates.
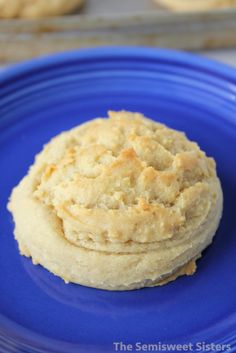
(124, 188)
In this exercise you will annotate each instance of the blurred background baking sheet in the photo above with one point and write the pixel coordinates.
(124, 22)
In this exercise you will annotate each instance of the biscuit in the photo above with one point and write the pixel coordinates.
(118, 203)
(37, 8)
(199, 5)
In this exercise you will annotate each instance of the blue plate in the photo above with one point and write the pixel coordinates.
(40, 98)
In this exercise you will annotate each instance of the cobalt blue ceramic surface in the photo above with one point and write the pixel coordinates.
(42, 97)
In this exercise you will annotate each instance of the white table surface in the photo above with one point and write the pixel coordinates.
(227, 56)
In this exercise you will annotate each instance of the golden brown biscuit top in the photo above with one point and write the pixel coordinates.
(125, 179)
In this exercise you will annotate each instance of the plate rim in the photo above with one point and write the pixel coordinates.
(101, 52)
